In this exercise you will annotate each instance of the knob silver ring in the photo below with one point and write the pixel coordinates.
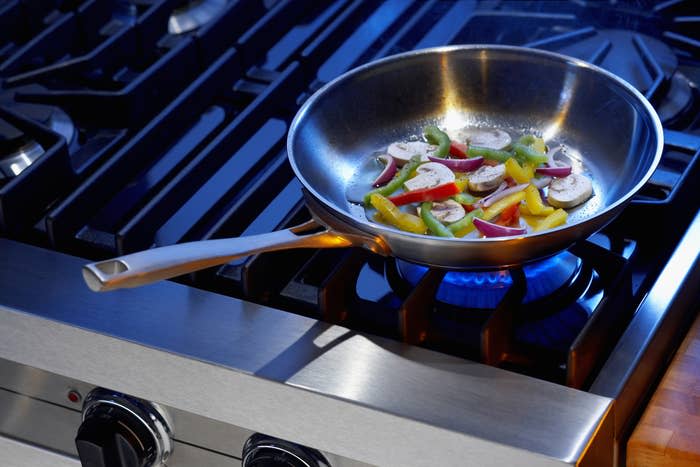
(149, 414)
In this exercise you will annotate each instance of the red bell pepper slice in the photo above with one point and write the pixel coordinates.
(458, 150)
(509, 215)
(426, 194)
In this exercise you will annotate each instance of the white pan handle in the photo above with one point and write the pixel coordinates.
(145, 267)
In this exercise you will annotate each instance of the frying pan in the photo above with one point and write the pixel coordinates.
(612, 133)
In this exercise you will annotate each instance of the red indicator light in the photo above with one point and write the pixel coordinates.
(74, 396)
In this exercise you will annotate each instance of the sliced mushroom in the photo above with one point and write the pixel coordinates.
(403, 151)
(429, 175)
(569, 191)
(448, 211)
(485, 137)
(487, 177)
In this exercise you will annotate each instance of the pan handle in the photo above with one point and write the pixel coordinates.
(145, 267)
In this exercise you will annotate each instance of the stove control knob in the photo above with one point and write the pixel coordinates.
(264, 451)
(122, 431)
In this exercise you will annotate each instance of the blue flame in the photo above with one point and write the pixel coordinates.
(486, 289)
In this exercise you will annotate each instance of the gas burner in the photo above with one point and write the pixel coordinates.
(677, 100)
(50, 116)
(637, 58)
(61, 123)
(194, 14)
(14, 163)
(485, 290)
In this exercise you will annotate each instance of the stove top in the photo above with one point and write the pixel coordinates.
(131, 124)
(134, 131)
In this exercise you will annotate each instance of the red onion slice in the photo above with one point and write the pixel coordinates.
(557, 171)
(541, 182)
(550, 156)
(500, 188)
(554, 168)
(459, 165)
(495, 230)
(388, 172)
(502, 194)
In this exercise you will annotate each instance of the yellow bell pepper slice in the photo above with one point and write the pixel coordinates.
(545, 212)
(498, 207)
(538, 145)
(462, 181)
(394, 216)
(534, 203)
(518, 173)
(531, 220)
(555, 219)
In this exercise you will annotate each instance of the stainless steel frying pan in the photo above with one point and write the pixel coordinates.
(612, 133)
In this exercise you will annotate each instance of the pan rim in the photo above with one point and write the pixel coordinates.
(382, 230)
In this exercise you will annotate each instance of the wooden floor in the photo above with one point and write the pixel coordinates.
(668, 433)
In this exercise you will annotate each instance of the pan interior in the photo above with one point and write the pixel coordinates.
(605, 125)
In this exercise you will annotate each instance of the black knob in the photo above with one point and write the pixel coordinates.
(110, 436)
(264, 451)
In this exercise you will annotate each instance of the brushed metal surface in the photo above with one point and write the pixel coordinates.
(653, 334)
(288, 376)
(50, 387)
(192, 430)
(18, 454)
(33, 423)
(38, 422)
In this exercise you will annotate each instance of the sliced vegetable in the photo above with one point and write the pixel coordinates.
(491, 138)
(534, 203)
(465, 198)
(559, 171)
(389, 171)
(494, 230)
(489, 153)
(448, 211)
(427, 194)
(531, 220)
(525, 211)
(528, 154)
(519, 174)
(486, 177)
(502, 194)
(541, 182)
(555, 219)
(500, 188)
(462, 181)
(394, 216)
(465, 225)
(403, 151)
(435, 135)
(510, 215)
(429, 175)
(435, 226)
(458, 150)
(535, 142)
(459, 165)
(397, 181)
(498, 207)
(569, 191)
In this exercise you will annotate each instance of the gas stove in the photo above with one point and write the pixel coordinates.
(126, 125)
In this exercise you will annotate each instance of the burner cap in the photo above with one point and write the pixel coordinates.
(61, 123)
(194, 14)
(15, 162)
(677, 100)
(615, 50)
(470, 289)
